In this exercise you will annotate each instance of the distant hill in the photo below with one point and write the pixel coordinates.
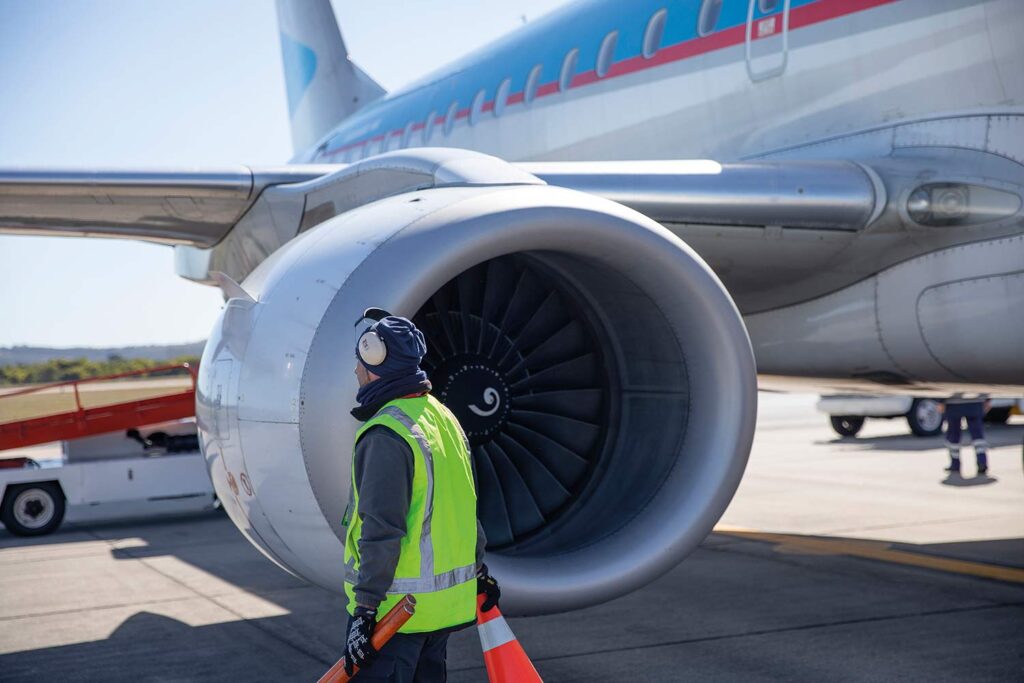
(15, 355)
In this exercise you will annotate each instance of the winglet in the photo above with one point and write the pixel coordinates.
(231, 289)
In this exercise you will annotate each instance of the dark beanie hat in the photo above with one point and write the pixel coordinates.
(406, 347)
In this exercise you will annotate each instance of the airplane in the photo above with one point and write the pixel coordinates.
(612, 224)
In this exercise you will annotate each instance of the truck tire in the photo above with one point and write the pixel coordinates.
(924, 417)
(157, 439)
(846, 425)
(32, 509)
(997, 416)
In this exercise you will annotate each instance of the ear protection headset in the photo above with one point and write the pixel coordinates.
(370, 346)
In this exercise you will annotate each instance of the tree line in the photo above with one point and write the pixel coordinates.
(66, 369)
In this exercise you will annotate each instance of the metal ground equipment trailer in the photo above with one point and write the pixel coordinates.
(127, 448)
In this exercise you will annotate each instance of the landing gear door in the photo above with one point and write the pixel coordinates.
(767, 38)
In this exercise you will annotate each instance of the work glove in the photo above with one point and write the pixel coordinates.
(486, 585)
(359, 651)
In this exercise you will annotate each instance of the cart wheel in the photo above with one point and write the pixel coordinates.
(846, 425)
(32, 509)
(925, 418)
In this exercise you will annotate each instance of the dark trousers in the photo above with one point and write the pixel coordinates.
(974, 413)
(409, 658)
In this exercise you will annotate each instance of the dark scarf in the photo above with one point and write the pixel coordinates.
(373, 396)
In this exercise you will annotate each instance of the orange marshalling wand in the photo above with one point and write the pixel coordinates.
(386, 628)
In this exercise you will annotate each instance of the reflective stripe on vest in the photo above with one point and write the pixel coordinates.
(428, 584)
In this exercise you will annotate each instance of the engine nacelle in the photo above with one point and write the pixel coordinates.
(602, 373)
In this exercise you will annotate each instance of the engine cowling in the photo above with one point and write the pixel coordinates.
(601, 371)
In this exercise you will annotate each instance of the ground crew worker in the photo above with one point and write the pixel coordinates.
(973, 410)
(411, 521)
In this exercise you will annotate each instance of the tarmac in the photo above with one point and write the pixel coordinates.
(838, 560)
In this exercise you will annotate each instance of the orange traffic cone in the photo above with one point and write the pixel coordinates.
(505, 658)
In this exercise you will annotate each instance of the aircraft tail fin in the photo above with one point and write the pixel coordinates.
(323, 85)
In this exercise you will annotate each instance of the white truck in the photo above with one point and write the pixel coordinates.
(923, 415)
(153, 470)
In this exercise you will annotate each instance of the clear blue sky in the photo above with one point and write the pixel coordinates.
(171, 83)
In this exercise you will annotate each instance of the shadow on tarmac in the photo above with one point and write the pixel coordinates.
(153, 647)
(955, 479)
(298, 642)
(738, 609)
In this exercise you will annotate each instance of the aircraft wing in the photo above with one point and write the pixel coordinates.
(199, 207)
(193, 207)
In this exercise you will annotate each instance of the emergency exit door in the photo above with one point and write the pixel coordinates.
(767, 38)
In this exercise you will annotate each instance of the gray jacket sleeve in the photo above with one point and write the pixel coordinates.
(383, 473)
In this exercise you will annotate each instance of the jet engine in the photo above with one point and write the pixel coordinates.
(600, 370)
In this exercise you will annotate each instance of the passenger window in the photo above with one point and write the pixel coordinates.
(768, 5)
(653, 34)
(710, 10)
(568, 69)
(606, 55)
(501, 96)
(449, 119)
(476, 107)
(532, 83)
(428, 127)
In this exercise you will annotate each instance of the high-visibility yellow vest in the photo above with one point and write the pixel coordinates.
(437, 564)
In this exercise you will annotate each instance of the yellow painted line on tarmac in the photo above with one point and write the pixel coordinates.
(876, 550)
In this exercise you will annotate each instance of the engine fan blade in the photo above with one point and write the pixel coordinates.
(470, 287)
(523, 512)
(527, 297)
(577, 436)
(491, 506)
(567, 466)
(500, 283)
(563, 345)
(577, 373)
(441, 304)
(543, 324)
(545, 487)
(581, 404)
